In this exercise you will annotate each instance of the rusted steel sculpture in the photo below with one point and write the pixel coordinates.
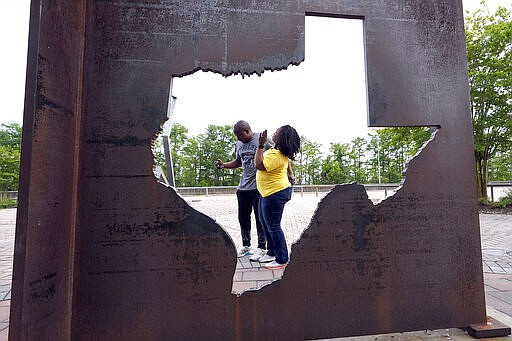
(104, 252)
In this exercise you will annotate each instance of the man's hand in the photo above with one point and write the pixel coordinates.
(219, 164)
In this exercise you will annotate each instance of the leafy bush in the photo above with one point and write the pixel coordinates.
(10, 143)
(505, 201)
(7, 203)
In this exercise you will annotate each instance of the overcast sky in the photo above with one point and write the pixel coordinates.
(325, 103)
(301, 95)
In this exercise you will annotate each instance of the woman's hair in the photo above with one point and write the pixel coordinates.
(288, 141)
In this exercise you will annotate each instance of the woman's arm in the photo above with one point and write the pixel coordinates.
(289, 171)
(258, 157)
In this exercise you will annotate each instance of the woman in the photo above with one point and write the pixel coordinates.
(273, 183)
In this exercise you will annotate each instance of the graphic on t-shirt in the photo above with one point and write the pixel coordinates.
(245, 154)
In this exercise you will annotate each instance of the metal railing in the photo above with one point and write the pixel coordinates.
(213, 190)
(9, 194)
(493, 184)
(186, 191)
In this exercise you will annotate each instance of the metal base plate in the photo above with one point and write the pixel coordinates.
(493, 328)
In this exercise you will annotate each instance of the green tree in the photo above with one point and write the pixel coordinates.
(388, 155)
(10, 135)
(179, 140)
(357, 158)
(190, 164)
(9, 168)
(489, 51)
(308, 168)
(336, 166)
(390, 149)
(218, 142)
(346, 162)
(500, 166)
(194, 156)
(10, 145)
(373, 163)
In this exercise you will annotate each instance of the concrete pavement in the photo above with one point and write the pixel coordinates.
(7, 229)
(496, 234)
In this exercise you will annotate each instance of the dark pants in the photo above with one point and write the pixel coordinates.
(271, 212)
(247, 201)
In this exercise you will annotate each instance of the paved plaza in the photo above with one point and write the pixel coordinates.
(7, 229)
(496, 234)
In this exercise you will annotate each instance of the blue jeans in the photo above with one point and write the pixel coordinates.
(271, 211)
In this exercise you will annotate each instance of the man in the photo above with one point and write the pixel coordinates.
(247, 194)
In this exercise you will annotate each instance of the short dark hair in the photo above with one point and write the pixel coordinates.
(241, 125)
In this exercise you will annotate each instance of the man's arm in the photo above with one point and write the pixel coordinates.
(228, 165)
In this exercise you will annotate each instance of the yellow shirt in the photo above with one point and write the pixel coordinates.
(275, 178)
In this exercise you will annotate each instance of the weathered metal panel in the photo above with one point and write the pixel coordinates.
(44, 252)
(145, 265)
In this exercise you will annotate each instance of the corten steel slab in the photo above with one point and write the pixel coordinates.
(103, 251)
(487, 329)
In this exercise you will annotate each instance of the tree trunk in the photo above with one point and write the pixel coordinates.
(481, 176)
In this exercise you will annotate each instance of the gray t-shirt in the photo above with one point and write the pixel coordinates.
(245, 154)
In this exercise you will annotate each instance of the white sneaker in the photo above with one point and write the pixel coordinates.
(274, 265)
(245, 251)
(266, 259)
(258, 253)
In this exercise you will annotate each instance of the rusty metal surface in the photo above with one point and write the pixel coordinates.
(103, 251)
